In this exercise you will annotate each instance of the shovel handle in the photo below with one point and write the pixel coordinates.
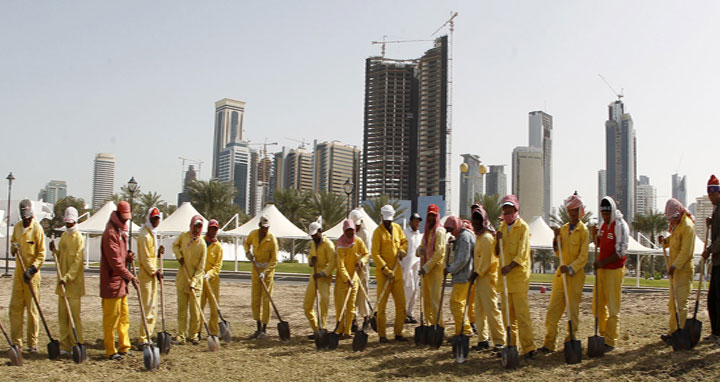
(597, 296)
(442, 289)
(213, 298)
(142, 308)
(195, 298)
(565, 288)
(64, 294)
(6, 335)
(365, 293)
(505, 292)
(162, 303)
(267, 292)
(385, 290)
(19, 259)
(465, 309)
(317, 295)
(672, 290)
(342, 312)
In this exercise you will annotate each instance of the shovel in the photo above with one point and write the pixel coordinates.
(223, 325)
(680, 338)
(79, 351)
(436, 335)
(420, 331)
(573, 347)
(386, 289)
(151, 353)
(53, 347)
(320, 335)
(282, 326)
(14, 352)
(164, 339)
(510, 359)
(361, 338)
(212, 340)
(334, 337)
(461, 342)
(596, 343)
(693, 325)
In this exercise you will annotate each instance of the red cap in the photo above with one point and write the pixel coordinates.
(213, 223)
(713, 181)
(154, 212)
(124, 209)
(433, 209)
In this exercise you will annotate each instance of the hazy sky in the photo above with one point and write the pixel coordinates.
(139, 79)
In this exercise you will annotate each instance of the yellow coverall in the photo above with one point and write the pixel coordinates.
(385, 247)
(32, 252)
(610, 292)
(433, 279)
(324, 258)
(148, 282)
(575, 255)
(516, 248)
(486, 307)
(265, 253)
(116, 316)
(347, 259)
(213, 264)
(70, 261)
(682, 245)
(193, 253)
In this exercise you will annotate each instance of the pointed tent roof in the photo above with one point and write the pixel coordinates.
(97, 222)
(280, 226)
(179, 221)
(335, 232)
(541, 235)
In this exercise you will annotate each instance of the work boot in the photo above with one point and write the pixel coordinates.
(194, 341)
(311, 337)
(481, 346)
(258, 331)
(545, 350)
(262, 334)
(400, 339)
(666, 338)
(609, 348)
(115, 357)
(530, 355)
(383, 340)
(354, 327)
(711, 338)
(410, 320)
(497, 349)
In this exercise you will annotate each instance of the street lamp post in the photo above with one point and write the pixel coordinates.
(132, 187)
(348, 187)
(10, 179)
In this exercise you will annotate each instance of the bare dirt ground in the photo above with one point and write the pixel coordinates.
(639, 355)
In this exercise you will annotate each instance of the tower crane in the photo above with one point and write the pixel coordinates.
(196, 162)
(301, 142)
(263, 162)
(383, 42)
(618, 95)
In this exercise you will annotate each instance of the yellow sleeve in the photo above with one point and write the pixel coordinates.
(217, 260)
(40, 245)
(686, 246)
(403, 239)
(273, 257)
(362, 251)
(523, 247)
(581, 260)
(177, 247)
(438, 256)
(200, 269)
(247, 242)
(145, 250)
(376, 244)
(342, 273)
(332, 259)
(77, 264)
(486, 250)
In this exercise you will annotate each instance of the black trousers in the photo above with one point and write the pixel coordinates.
(714, 300)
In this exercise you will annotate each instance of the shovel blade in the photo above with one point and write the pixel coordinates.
(76, 355)
(156, 356)
(321, 339)
(164, 341)
(53, 348)
(596, 346)
(284, 331)
(438, 336)
(419, 336)
(573, 352)
(225, 331)
(360, 341)
(680, 340)
(694, 328)
(15, 356)
(213, 343)
(373, 322)
(333, 340)
(148, 358)
(461, 348)
(510, 358)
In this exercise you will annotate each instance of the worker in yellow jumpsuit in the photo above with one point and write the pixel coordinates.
(574, 240)
(682, 246)
(213, 265)
(485, 277)
(191, 251)
(322, 259)
(28, 246)
(149, 272)
(389, 246)
(261, 246)
(70, 262)
(515, 237)
(432, 259)
(351, 255)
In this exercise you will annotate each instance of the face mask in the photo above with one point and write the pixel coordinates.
(509, 219)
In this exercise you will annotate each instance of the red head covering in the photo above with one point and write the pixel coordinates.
(713, 184)
(457, 225)
(511, 200)
(428, 240)
(674, 211)
(213, 238)
(477, 207)
(344, 241)
(192, 224)
(574, 201)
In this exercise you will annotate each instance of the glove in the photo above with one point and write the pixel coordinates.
(311, 262)
(319, 275)
(161, 251)
(52, 245)
(401, 254)
(181, 261)
(159, 275)
(206, 277)
(130, 256)
(261, 276)
(249, 256)
(28, 275)
(14, 250)
(422, 272)
(473, 276)
(420, 251)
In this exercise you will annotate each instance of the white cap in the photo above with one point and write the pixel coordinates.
(388, 212)
(264, 221)
(314, 228)
(71, 215)
(356, 217)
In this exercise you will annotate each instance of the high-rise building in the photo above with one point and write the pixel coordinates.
(390, 129)
(277, 178)
(541, 126)
(679, 189)
(602, 187)
(646, 203)
(103, 179)
(433, 161)
(471, 183)
(299, 170)
(190, 176)
(54, 190)
(336, 163)
(703, 209)
(496, 181)
(527, 179)
(234, 165)
(229, 127)
(621, 158)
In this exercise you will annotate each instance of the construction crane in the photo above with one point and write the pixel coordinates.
(196, 162)
(618, 95)
(448, 170)
(383, 42)
(301, 142)
(263, 163)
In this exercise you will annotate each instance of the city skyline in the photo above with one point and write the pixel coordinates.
(123, 75)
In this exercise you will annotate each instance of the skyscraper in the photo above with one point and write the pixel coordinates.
(602, 187)
(277, 177)
(299, 170)
(496, 181)
(54, 190)
(646, 203)
(527, 179)
(621, 158)
(679, 190)
(541, 125)
(234, 166)
(335, 163)
(703, 209)
(229, 127)
(103, 179)
(471, 183)
(190, 176)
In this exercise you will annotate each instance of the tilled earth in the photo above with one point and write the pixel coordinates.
(639, 355)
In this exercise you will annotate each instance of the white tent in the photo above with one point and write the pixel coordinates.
(280, 226)
(96, 223)
(335, 232)
(41, 210)
(179, 221)
(541, 235)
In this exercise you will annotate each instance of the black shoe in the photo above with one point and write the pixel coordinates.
(410, 320)
(481, 346)
(545, 350)
(400, 339)
(124, 353)
(530, 355)
(354, 327)
(667, 339)
(609, 348)
(384, 340)
(115, 357)
(473, 328)
(194, 341)
(311, 337)
(497, 349)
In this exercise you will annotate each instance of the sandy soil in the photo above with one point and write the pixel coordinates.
(639, 355)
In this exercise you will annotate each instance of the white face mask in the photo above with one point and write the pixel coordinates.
(72, 229)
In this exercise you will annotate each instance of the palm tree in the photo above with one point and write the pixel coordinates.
(373, 206)
(332, 208)
(491, 204)
(562, 217)
(51, 226)
(148, 200)
(213, 199)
